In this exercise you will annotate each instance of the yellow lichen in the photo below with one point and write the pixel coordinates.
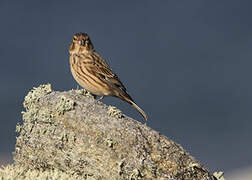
(109, 142)
(64, 104)
(18, 128)
(36, 93)
(136, 174)
(84, 92)
(21, 173)
(46, 115)
(31, 114)
(114, 112)
(219, 175)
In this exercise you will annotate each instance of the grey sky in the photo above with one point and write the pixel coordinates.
(186, 63)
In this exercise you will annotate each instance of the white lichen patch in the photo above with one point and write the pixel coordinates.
(36, 93)
(18, 128)
(84, 92)
(114, 112)
(136, 174)
(109, 142)
(219, 175)
(46, 115)
(31, 115)
(194, 165)
(21, 173)
(64, 104)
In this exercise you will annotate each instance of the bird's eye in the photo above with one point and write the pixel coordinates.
(82, 42)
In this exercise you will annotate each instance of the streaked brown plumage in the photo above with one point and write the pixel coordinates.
(92, 72)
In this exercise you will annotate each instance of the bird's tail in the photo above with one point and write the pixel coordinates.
(126, 97)
(139, 110)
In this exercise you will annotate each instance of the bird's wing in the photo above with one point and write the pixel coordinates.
(107, 73)
(101, 68)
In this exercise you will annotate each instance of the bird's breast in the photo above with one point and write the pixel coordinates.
(87, 78)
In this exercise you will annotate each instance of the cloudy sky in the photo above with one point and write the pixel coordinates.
(186, 63)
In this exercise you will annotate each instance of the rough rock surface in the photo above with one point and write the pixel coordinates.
(75, 134)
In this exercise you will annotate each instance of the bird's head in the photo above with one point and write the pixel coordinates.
(81, 42)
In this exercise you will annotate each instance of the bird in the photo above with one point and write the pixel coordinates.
(93, 73)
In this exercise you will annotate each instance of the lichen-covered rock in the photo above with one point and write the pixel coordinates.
(64, 104)
(12, 172)
(219, 175)
(37, 92)
(114, 112)
(78, 135)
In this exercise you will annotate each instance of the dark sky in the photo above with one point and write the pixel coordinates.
(186, 63)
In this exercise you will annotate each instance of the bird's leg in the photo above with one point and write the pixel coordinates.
(100, 98)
